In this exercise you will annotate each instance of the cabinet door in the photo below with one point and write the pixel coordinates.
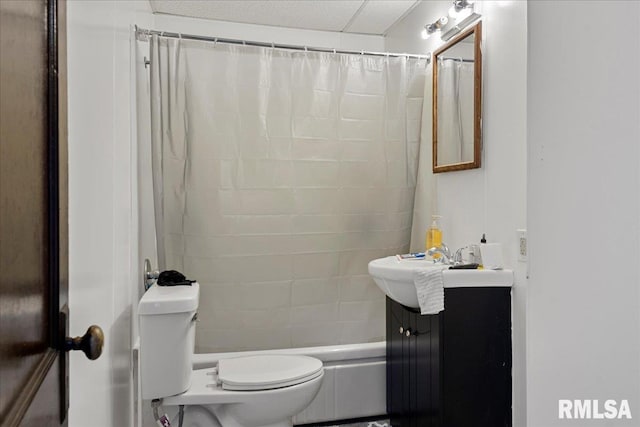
(426, 361)
(477, 357)
(408, 368)
(413, 360)
(394, 363)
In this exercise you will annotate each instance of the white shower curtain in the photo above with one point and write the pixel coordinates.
(278, 175)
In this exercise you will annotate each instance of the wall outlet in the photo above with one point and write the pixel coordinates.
(522, 245)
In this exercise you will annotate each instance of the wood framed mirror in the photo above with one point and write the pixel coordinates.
(457, 102)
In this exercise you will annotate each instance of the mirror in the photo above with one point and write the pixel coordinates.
(457, 86)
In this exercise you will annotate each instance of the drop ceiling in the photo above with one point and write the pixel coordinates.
(349, 16)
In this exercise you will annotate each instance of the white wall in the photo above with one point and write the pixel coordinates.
(583, 119)
(102, 242)
(491, 199)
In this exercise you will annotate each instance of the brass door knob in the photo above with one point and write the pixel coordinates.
(90, 343)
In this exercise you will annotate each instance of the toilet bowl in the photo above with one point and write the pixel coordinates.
(264, 390)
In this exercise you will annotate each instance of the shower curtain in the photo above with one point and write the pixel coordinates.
(278, 175)
(455, 111)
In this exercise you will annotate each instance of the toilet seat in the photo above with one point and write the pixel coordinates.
(266, 372)
(205, 389)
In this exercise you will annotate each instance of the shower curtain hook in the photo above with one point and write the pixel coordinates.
(215, 42)
(334, 51)
(273, 45)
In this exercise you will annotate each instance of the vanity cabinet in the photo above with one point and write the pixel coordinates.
(452, 369)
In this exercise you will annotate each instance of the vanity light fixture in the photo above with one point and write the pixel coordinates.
(461, 14)
(437, 26)
(460, 9)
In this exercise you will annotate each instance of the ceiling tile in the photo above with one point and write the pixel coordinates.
(377, 16)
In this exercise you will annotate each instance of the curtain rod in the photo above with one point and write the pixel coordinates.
(143, 34)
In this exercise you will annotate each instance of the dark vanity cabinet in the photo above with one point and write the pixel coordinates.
(452, 369)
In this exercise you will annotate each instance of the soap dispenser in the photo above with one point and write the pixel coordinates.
(474, 252)
(434, 234)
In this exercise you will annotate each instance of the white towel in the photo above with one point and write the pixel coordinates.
(430, 288)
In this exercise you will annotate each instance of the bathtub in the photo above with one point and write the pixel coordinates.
(354, 384)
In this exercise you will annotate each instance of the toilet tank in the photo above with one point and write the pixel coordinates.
(167, 317)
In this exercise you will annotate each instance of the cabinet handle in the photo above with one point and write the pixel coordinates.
(401, 330)
(408, 332)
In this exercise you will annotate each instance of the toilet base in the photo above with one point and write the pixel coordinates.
(265, 408)
(236, 416)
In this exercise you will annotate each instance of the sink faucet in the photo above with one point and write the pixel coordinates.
(443, 250)
(457, 258)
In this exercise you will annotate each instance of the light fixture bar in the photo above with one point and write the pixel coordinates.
(459, 26)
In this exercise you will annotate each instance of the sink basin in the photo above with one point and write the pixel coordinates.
(395, 278)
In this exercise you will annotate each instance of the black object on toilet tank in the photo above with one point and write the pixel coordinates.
(173, 278)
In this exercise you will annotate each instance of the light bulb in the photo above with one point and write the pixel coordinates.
(425, 35)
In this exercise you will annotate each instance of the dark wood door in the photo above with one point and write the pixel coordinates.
(33, 213)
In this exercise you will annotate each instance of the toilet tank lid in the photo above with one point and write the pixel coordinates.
(169, 299)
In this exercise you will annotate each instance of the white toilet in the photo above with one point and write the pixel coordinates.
(252, 391)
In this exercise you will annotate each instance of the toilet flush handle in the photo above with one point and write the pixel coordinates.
(149, 276)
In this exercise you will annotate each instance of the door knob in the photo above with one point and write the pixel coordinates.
(90, 343)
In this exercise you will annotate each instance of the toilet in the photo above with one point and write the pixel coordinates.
(263, 390)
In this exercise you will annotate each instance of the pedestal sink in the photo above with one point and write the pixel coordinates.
(395, 278)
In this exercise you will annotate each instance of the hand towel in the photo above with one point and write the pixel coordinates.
(429, 284)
